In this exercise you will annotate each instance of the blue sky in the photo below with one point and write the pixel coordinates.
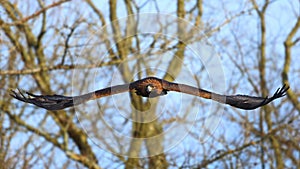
(280, 19)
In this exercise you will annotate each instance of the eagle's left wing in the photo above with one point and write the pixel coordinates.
(252, 102)
(239, 101)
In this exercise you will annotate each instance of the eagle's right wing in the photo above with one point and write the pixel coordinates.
(58, 102)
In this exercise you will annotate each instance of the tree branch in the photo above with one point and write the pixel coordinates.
(288, 44)
(56, 67)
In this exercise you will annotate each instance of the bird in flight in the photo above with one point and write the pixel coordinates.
(148, 87)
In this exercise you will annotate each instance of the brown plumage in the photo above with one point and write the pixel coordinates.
(147, 87)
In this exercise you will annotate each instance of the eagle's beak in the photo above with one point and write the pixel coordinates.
(149, 88)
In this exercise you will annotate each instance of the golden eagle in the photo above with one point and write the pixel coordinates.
(148, 87)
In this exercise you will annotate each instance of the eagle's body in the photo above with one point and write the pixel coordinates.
(148, 87)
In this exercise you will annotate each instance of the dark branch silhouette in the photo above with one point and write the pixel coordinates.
(148, 87)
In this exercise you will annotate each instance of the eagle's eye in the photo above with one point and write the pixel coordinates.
(149, 88)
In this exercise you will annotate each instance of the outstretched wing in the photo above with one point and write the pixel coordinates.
(49, 102)
(239, 101)
(58, 102)
(161, 87)
(251, 102)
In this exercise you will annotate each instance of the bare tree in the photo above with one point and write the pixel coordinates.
(73, 47)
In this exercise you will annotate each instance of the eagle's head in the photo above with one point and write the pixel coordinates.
(154, 91)
(149, 87)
